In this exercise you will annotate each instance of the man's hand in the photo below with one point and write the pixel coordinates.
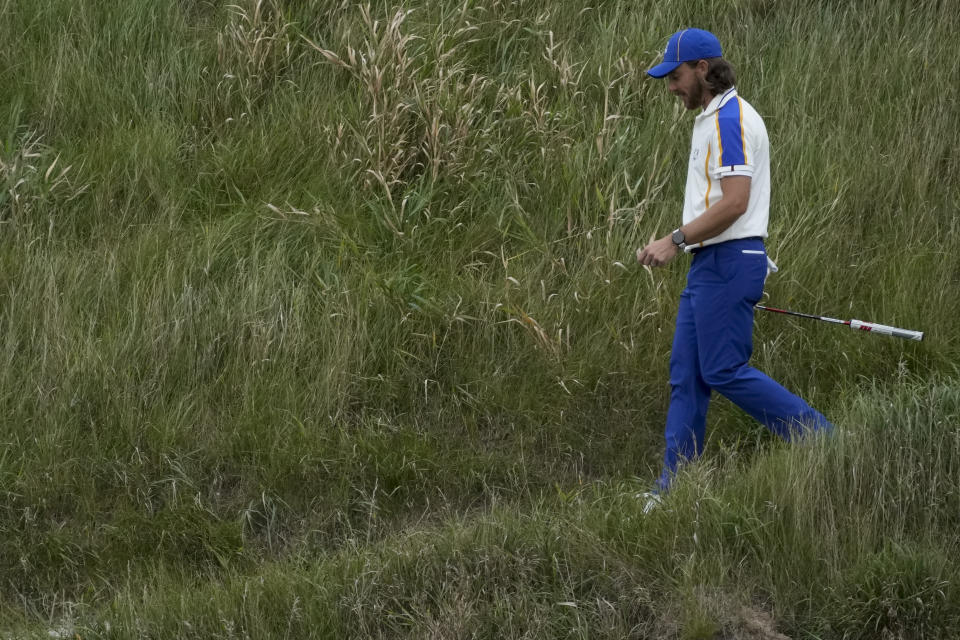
(658, 253)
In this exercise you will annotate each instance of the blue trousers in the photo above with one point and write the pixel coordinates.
(712, 345)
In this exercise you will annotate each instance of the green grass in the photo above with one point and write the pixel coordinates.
(323, 321)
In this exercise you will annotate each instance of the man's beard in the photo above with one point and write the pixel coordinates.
(695, 98)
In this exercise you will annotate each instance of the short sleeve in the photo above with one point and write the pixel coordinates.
(734, 152)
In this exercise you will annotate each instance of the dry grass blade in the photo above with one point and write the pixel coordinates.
(330, 56)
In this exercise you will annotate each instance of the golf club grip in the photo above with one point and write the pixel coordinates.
(906, 334)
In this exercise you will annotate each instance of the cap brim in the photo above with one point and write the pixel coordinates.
(663, 69)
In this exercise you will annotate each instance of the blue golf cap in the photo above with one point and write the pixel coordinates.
(687, 46)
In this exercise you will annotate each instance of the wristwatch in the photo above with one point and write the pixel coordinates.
(679, 239)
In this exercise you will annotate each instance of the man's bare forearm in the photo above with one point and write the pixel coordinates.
(713, 222)
(721, 214)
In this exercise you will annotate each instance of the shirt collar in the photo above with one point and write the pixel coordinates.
(718, 101)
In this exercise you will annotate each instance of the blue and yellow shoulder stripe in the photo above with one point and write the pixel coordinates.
(731, 139)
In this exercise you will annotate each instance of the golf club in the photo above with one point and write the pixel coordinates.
(906, 334)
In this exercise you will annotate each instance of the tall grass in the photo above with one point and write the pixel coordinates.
(334, 304)
(817, 540)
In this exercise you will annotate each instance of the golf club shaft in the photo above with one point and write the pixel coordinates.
(860, 325)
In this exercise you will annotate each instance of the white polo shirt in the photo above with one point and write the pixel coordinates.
(729, 139)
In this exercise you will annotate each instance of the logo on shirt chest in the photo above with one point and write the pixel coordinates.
(699, 154)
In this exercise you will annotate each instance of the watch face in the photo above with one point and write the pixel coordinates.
(678, 237)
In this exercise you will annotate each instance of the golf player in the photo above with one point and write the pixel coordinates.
(725, 212)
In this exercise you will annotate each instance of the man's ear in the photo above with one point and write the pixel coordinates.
(702, 67)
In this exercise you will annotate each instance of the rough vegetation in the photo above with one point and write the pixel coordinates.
(321, 320)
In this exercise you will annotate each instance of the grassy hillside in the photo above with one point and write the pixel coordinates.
(322, 320)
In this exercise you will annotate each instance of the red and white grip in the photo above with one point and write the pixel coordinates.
(906, 334)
